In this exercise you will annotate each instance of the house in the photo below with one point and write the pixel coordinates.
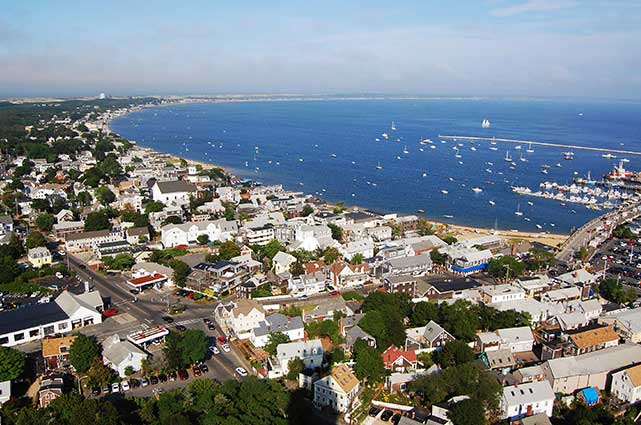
(282, 261)
(221, 276)
(355, 333)
(308, 284)
(517, 340)
(576, 278)
(429, 336)
(86, 241)
(446, 288)
(405, 284)
(185, 234)
(626, 384)
(150, 269)
(627, 323)
(533, 285)
(63, 229)
(326, 310)
(529, 374)
(175, 192)
(39, 256)
(593, 340)
(398, 360)
(526, 400)
(55, 351)
(344, 275)
(417, 265)
(338, 390)
(136, 235)
(500, 293)
(500, 359)
(293, 328)
(310, 352)
(239, 317)
(487, 341)
(364, 247)
(122, 354)
(537, 310)
(6, 224)
(568, 374)
(51, 388)
(64, 215)
(64, 314)
(562, 295)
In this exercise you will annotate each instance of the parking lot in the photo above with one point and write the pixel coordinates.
(621, 259)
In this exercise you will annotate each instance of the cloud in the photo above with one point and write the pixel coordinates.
(535, 6)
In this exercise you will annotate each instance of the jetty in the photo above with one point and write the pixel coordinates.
(535, 143)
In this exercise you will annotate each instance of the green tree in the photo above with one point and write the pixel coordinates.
(172, 351)
(450, 240)
(203, 239)
(154, 206)
(9, 269)
(498, 267)
(82, 353)
(459, 320)
(307, 210)
(335, 355)
(424, 227)
(614, 291)
(296, 366)
(84, 198)
(423, 313)
(45, 222)
(357, 259)
(539, 259)
(297, 268)
(453, 353)
(369, 365)
(623, 231)
(97, 220)
(437, 257)
(99, 374)
(193, 346)
(181, 271)
(331, 254)
(11, 363)
(228, 250)
(274, 340)
(121, 261)
(468, 412)
(104, 195)
(35, 239)
(272, 248)
(337, 231)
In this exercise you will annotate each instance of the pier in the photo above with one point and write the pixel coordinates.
(535, 143)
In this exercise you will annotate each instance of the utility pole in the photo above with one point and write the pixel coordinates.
(507, 275)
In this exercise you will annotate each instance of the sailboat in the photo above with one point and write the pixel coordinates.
(518, 210)
(485, 123)
(405, 151)
(522, 158)
(379, 166)
(425, 141)
(508, 158)
(393, 126)
(529, 148)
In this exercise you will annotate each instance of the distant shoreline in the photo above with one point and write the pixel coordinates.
(465, 231)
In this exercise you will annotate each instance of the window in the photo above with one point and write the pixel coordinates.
(34, 333)
(18, 336)
(48, 330)
(63, 326)
(4, 340)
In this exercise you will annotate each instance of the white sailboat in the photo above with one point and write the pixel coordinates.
(477, 190)
(393, 126)
(385, 136)
(508, 158)
(405, 151)
(379, 166)
(518, 210)
(529, 148)
(485, 123)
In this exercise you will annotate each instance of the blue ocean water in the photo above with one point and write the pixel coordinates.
(329, 148)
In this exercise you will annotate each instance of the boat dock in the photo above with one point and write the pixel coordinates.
(535, 143)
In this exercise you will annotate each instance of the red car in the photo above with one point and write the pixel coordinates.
(110, 312)
(196, 370)
(190, 295)
(182, 374)
(222, 339)
(334, 293)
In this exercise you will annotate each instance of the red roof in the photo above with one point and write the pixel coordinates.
(314, 266)
(393, 353)
(145, 280)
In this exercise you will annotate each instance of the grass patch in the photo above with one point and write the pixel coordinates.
(352, 296)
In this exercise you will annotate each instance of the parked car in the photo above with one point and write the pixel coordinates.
(374, 411)
(241, 371)
(109, 312)
(207, 320)
(172, 376)
(387, 415)
(211, 327)
(162, 377)
(144, 381)
(95, 391)
(115, 387)
(396, 418)
(124, 386)
(134, 383)
(106, 389)
(204, 368)
(153, 379)
(214, 349)
(196, 370)
(222, 339)
(168, 319)
(334, 293)
(225, 348)
(183, 375)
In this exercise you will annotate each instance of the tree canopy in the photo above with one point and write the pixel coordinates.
(12, 363)
(82, 353)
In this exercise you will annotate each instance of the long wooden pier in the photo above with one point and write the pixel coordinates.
(535, 143)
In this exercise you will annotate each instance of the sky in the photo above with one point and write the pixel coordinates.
(530, 48)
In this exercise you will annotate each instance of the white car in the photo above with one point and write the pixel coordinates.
(214, 349)
(115, 387)
(124, 386)
(225, 348)
(241, 371)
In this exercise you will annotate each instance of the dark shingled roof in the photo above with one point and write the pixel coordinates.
(176, 186)
(30, 317)
(447, 285)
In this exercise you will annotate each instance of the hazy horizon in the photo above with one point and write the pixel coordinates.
(487, 48)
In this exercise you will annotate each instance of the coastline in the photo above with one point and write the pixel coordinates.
(460, 231)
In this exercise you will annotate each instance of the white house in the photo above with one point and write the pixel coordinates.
(338, 390)
(501, 293)
(120, 354)
(293, 328)
(5, 391)
(187, 233)
(60, 316)
(310, 352)
(307, 284)
(176, 192)
(90, 240)
(626, 384)
(526, 400)
(517, 340)
(239, 317)
(282, 262)
(365, 247)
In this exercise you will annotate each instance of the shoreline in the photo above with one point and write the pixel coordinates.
(461, 231)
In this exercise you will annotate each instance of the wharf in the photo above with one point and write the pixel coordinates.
(535, 143)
